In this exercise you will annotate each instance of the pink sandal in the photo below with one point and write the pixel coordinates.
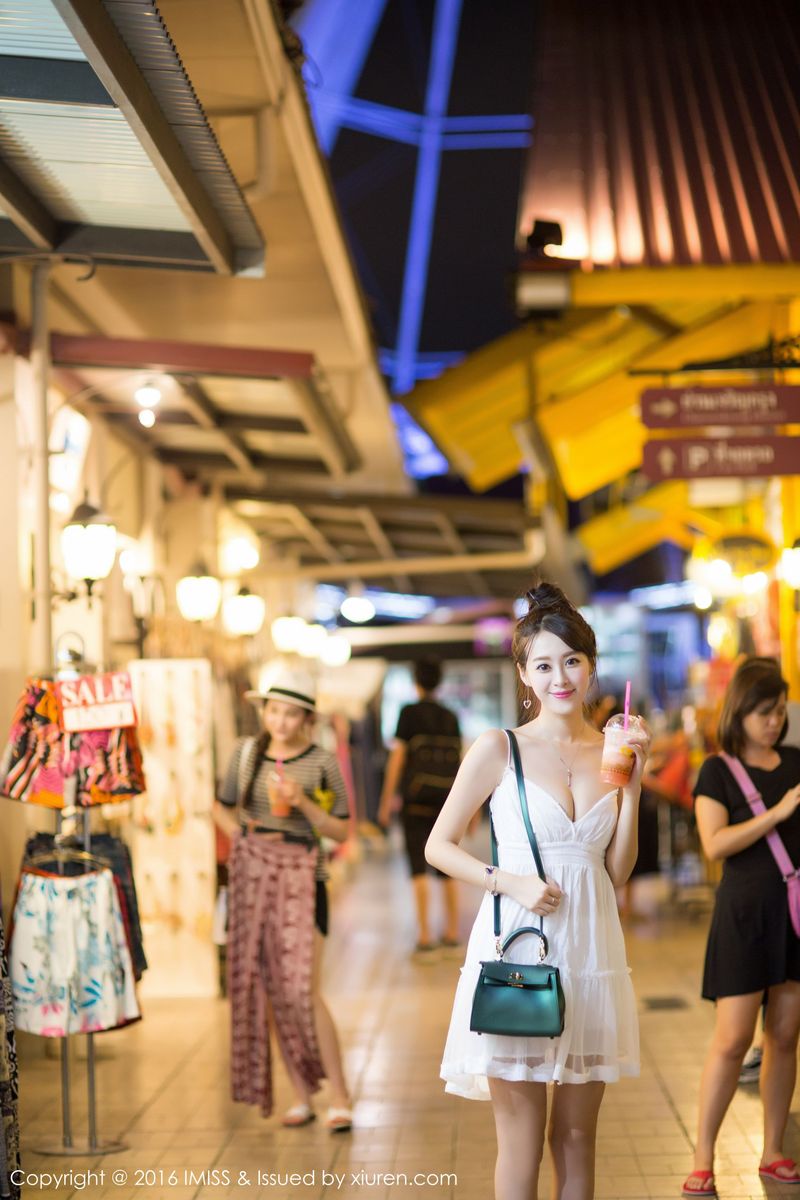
(771, 1171)
(706, 1181)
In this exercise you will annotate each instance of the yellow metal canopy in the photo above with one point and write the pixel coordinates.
(572, 378)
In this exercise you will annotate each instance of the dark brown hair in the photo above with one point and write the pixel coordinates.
(549, 609)
(756, 681)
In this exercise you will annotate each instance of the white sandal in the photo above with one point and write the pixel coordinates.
(339, 1120)
(298, 1115)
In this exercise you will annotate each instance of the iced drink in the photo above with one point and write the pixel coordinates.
(276, 792)
(619, 758)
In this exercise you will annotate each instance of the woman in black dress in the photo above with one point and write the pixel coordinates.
(753, 953)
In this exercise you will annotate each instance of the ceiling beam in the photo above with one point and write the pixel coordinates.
(176, 358)
(230, 422)
(206, 415)
(95, 32)
(209, 463)
(447, 564)
(26, 211)
(510, 514)
(383, 546)
(451, 536)
(316, 406)
(310, 532)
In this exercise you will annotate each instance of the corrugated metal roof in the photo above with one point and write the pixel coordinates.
(33, 29)
(86, 165)
(83, 163)
(668, 134)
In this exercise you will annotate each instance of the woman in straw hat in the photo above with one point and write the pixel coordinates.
(281, 794)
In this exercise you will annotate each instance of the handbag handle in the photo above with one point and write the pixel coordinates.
(537, 858)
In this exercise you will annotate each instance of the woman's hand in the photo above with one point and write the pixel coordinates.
(539, 896)
(292, 793)
(638, 738)
(787, 805)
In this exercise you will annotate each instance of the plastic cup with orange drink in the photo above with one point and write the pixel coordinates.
(619, 756)
(279, 806)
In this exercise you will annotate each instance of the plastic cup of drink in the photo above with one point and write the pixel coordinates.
(619, 759)
(279, 806)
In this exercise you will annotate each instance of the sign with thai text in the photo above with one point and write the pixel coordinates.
(96, 702)
(712, 458)
(739, 404)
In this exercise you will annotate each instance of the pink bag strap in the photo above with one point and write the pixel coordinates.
(757, 806)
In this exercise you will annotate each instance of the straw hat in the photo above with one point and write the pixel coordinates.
(293, 685)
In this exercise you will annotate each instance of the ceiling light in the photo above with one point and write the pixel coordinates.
(702, 598)
(358, 609)
(239, 553)
(147, 395)
(287, 633)
(198, 594)
(89, 544)
(336, 651)
(147, 418)
(243, 613)
(313, 641)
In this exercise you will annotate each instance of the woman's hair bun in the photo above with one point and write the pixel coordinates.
(547, 597)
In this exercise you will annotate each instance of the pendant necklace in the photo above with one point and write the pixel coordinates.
(569, 765)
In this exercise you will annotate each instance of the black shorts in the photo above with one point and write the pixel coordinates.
(417, 829)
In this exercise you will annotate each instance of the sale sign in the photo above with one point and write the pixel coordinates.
(96, 702)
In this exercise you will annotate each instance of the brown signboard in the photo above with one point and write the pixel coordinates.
(739, 404)
(713, 458)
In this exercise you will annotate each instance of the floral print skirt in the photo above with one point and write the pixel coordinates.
(70, 962)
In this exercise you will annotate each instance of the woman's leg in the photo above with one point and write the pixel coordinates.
(733, 1033)
(327, 1036)
(779, 1065)
(520, 1115)
(572, 1134)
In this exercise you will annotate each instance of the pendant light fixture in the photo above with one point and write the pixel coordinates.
(89, 544)
(199, 594)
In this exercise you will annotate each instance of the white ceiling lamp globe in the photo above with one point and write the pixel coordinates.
(243, 613)
(147, 395)
(89, 544)
(287, 634)
(336, 651)
(239, 554)
(147, 418)
(198, 594)
(358, 609)
(314, 639)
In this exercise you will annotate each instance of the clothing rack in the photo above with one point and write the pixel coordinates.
(68, 1146)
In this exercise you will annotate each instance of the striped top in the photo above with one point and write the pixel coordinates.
(312, 769)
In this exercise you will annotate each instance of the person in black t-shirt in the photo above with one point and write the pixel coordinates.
(422, 765)
(753, 953)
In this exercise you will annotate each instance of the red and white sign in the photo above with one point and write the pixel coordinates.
(96, 702)
(739, 404)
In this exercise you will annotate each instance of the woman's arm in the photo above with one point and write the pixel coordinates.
(391, 780)
(335, 828)
(720, 839)
(224, 817)
(478, 776)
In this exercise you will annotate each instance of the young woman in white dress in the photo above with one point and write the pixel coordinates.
(588, 842)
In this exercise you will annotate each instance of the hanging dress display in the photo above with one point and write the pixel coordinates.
(70, 962)
(9, 1094)
(44, 765)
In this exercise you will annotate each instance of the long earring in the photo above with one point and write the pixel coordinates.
(526, 703)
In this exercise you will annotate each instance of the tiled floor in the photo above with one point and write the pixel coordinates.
(163, 1085)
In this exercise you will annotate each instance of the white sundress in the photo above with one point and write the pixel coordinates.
(601, 1032)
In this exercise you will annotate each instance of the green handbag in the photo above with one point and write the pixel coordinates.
(516, 999)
